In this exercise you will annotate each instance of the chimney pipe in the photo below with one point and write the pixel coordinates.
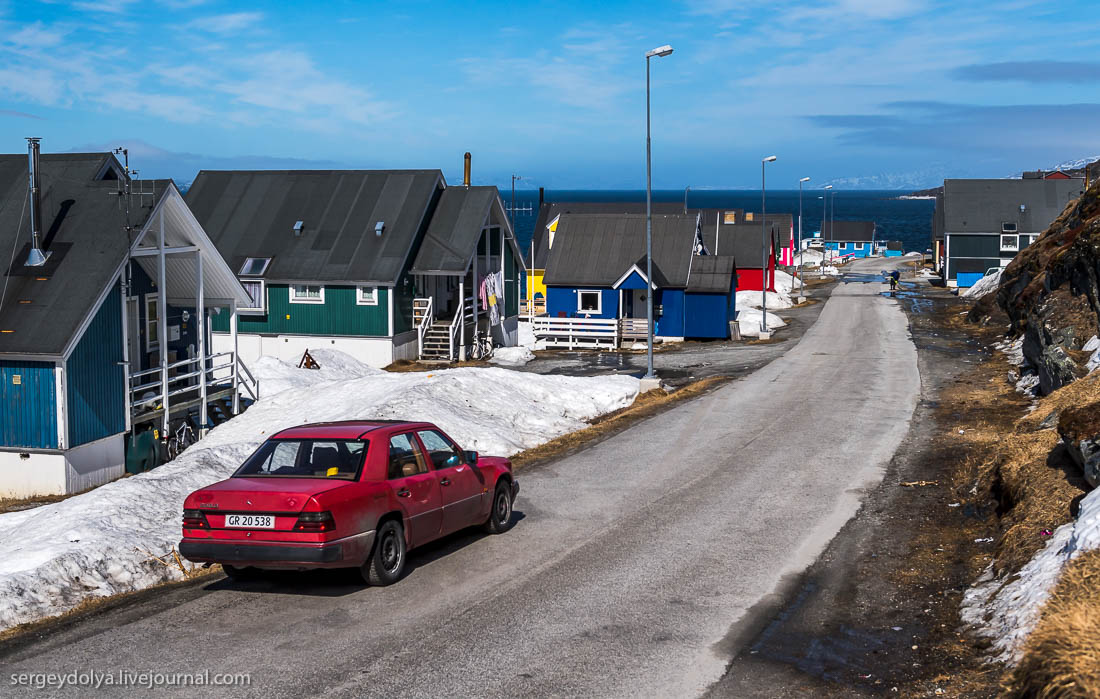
(466, 170)
(36, 258)
(542, 196)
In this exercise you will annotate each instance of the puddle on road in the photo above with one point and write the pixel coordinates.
(861, 278)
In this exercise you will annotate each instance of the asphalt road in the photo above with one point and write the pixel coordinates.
(633, 568)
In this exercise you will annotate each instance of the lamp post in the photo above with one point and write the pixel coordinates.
(764, 249)
(660, 51)
(824, 215)
(686, 190)
(801, 256)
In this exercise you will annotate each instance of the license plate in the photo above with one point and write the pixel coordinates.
(250, 521)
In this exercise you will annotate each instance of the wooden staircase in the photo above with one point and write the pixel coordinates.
(437, 342)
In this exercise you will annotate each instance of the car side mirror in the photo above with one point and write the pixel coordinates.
(471, 457)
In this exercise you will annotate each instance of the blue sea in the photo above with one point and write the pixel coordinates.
(907, 220)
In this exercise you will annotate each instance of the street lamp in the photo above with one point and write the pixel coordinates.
(660, 51)
(801, 255)
(764, 249)
(824, 213)
(686, 190)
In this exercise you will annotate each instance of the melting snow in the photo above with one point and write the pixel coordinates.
(101, 543)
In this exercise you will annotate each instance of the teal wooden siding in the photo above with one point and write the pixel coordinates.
(94, 377)
(511, 283)
(339, 315)
(403, 295)
(28, 405)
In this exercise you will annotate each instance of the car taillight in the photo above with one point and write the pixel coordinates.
(315, 522)
(195, 519)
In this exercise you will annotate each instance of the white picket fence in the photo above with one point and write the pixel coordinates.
(577, 332)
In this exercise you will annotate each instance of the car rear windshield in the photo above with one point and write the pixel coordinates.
(306, 458)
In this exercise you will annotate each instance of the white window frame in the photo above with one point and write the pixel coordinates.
(155, 322)
(599, 301)
(1015, 247)
(248, 260)
(1032, 238)
(859, 246)
(1009, 227)
(842, 246)
(294, 298)
(255, 310)
(361, 301)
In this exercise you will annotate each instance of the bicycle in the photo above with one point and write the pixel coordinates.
(183, 438)
(482, 347)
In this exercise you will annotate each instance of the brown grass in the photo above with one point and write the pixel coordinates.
(645, 405)
(1062, 656)
(404, 366)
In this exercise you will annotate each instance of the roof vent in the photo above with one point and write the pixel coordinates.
(378, 228)
(298, 227)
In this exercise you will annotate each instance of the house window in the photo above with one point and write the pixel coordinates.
(843, 246)
(859, 246)
(589, 302)
(255, 290)
(1010, 243)
(1008, 228)
(307, 293)
(366, 295)
(1032, 238)
(255, 266)
(152, 323)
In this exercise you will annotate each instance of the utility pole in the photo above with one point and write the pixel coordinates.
(660, 51)
(801, 256)
(764, 335)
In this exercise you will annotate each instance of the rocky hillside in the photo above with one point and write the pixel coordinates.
(1051, 293)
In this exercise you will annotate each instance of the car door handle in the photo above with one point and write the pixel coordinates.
(445, 481)
(403, 493)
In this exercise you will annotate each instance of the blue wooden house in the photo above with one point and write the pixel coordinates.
(847, 238)
(597, 286)
(99, 332)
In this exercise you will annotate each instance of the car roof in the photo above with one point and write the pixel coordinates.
(348, 429)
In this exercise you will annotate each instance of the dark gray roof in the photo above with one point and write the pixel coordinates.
(982, 206)
(895, 245)
(849, 231)
(83, 229)
(712, 274)
(253, 213)
(597, 249)
(742, 241)
(454, 230)
(548, 210)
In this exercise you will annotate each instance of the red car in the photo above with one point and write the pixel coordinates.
(346, 494)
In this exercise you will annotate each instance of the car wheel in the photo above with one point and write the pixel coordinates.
(500, 517)
(387, 560)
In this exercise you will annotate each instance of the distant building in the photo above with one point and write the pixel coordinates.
(755, 249)
(894, 248)
(847, 238)
(984, 223)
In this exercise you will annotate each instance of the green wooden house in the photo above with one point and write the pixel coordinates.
(381, 264)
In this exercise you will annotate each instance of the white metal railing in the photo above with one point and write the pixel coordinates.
(463, 316)
(149, 392)
(423, 307)
(577, 332)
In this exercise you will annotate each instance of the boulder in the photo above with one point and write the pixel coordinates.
(1080, 431)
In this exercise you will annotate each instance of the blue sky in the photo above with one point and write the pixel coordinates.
(858, 92)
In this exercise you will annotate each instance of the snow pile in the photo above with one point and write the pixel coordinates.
(985, 285)
(527, 337)
(784, 283)
(748, 321)
(928, 274)
(808, 257)
(276, 376)
(1093, 346)
(512, 356)
(1006, 613)
(752, 299)
(101, 543)
(830, 271)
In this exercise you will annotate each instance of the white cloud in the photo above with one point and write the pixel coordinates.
(226, 23)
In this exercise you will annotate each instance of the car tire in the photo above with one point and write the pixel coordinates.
(500, 513)
(386, 563)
